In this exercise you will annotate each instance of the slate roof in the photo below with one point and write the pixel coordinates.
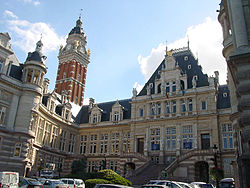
(223, 101)
(78, 28)
(35, 56)
(183, 64)
(83, 115)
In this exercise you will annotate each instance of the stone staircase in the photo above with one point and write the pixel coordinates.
(149, 172)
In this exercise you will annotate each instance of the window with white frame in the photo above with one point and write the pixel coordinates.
(54, 137)
(94, 119)
(62, 140)
(71, 146)
(115, 142)
(116, 116)
(39, 135)
(183, 105)
(174, 106)
(173, 86)
(227, 136)
(113, 165)
(167, 107)
(158, 109)
(83, 144)
(47, 132)
(18, 149)
(126, 142)
(171, 138)
(190, 105)
(104, 143)
(155, 139)
(2, 114)
(203, 105)
(187, 137)
(93, 143)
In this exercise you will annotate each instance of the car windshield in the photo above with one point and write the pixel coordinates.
(70, 182)
(58, 182)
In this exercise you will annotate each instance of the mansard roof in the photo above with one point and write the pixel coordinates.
(195, 69)
(35, 56)
(83, 115)
(78, 28)
(223, 100)
(16, 72)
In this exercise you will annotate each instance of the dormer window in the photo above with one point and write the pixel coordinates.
(224, 94)
(189, 66)
(167, 87)
(94, 118)
(116, 116)
(52, 104)
(186, 58)
(66, 114)
(64, 75)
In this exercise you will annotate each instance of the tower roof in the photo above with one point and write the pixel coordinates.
(37, 55)
(78, 28)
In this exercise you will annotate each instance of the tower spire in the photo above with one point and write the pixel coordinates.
(188, 42)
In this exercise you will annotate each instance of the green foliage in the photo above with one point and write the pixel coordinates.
(113, 177)
(90, 183)
(216, 173)
(78, 167)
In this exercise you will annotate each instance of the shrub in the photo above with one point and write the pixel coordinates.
(113, 177)
(90, 183)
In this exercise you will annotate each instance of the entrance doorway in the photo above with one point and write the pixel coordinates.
(140, 145)
(205, 141)
(201, 171)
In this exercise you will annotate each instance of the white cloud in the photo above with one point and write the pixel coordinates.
(138, 87)
(10, 14)
(27, 34)
(32, 1)
(205, 39)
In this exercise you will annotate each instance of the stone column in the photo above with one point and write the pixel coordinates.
(195, 136)
(147, 140)
(178, 139)
(178, 105)
(238, 22)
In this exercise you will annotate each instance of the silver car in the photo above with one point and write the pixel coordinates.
(54, 184)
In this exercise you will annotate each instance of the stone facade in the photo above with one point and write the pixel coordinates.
(235, 21)
(174, 121)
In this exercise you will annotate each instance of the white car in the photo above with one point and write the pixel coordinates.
(202, 185)
(168, 183)
(73, 183)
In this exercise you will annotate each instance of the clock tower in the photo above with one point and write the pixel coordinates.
(73, 63)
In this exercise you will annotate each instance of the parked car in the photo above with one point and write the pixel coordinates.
(171, 184)
(54, 184)
(227, 183)
(202, 185)
(185, 185)
(154, 186)
(73, 183)
(9, 179)
(29, 183)
(110, 186)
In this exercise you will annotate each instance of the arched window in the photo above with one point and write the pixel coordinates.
(159, 88)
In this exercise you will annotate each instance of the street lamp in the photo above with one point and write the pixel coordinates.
(215, 159)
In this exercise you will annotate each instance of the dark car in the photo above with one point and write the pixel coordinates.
(29, 183)
(227, 183)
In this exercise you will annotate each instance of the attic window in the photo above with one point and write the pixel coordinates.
(189, 66)
(196, 77)
(186, 58)
(224, 94)
(151, 85)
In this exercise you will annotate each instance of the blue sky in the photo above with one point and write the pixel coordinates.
(126, 38)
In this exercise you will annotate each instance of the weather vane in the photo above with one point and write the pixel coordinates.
(81, 12)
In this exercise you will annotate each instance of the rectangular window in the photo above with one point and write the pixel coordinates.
(17, 151)
(141, 112)
(227, 136)
(171, 138)
(167, 87)
(62, 140)
(158, 109)
(155, 139)
(39, 135)
(116, 116)
(46, 140)
(71, 143)
(83, 144)
(174, 106)
(2, 114)
(54, 137)
(167, 108)
(187, 137)
(183, 106)
(190, 105)
(203, 105)
(173, 87)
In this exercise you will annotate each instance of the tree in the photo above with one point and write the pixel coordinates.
(78, 167)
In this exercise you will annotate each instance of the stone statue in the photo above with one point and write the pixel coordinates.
(148, 90)
(194, 83)
(76, 44)
(134, 92)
